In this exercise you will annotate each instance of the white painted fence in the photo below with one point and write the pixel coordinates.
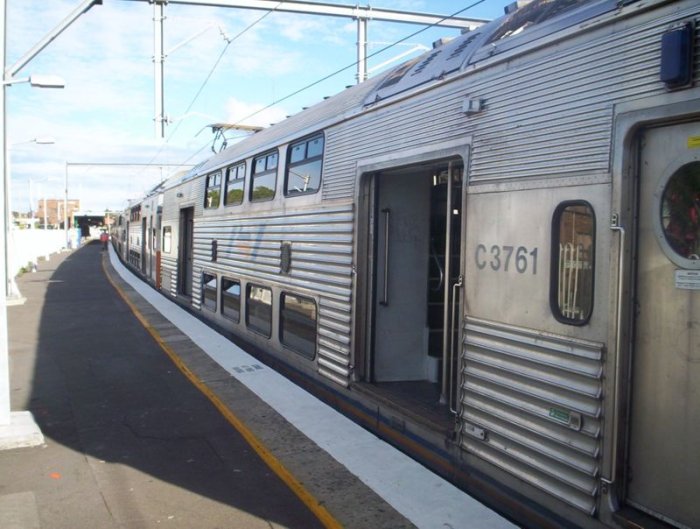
(25, 247)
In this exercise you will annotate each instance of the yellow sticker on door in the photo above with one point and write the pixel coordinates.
(694, 142)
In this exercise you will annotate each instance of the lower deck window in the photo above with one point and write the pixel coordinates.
(259, 309)
(209, 291)
(298, 317)
(573, 244)
(231, 299)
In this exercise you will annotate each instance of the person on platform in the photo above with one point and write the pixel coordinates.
(103, 239)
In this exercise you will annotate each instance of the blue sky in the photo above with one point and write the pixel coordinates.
(105, 113)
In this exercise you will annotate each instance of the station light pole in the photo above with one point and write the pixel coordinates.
(18, 429)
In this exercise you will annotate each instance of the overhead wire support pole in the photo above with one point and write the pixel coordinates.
(360, 13)
(17, 428)
(361, 50)
(336, 10)
(159, 66)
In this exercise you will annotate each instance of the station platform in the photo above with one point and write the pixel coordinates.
(152, 419)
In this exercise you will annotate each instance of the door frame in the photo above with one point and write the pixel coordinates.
(144, 246)
(363, 251)
(185, 252)
(629, 120)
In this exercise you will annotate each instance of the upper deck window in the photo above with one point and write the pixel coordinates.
(304, 167)
(212, 199)
(264, 178)
(135, 214)
(235, 185)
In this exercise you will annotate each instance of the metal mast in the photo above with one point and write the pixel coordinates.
(362, 14)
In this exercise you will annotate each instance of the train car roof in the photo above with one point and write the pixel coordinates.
(521, 25)
(321, 115)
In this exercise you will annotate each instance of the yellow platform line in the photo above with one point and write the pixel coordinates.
(325, 517)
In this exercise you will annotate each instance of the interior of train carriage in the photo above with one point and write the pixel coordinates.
(414, 222)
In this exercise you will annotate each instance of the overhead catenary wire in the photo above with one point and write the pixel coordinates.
(218, 60)
(340, 70)
(229, 41)
(353, 64)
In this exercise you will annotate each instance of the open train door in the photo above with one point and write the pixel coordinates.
(185, 252)
(414, 271)
(663, 467)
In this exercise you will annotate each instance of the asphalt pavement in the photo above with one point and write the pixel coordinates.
(132, 442)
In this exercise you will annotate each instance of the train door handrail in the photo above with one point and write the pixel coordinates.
(616, 226)
(385, 294)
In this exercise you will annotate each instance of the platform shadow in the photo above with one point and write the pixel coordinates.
(102, 387)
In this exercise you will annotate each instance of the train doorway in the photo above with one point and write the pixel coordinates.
(185, 254)
(663, 464)
(144, 245)
(416, 227)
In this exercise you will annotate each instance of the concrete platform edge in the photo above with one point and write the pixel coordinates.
(22, 432)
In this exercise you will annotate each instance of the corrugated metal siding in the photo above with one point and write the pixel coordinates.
(168, 267)
(168, 262)
(321, 241)
(554, 115)
(538, 400)
(192, 195)
(426, 120)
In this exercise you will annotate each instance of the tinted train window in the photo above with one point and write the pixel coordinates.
(304, 167)
(231, 299)
(264, 178)
(235, 185)
(259, 309)
(298, 317)
(680, 215)
(212, 199)
(573, 243)
(209, 291)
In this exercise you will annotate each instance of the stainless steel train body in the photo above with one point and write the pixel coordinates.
(488, 256)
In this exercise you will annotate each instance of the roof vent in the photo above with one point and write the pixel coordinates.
(513, 7)
(441, 42)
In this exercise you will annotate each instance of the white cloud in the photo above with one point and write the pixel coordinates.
(106, 112)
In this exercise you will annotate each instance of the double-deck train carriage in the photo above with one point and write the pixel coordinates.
(488, 255)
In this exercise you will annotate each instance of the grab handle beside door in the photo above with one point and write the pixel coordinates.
(385, 294)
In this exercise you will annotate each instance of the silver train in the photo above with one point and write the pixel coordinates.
(489, 256)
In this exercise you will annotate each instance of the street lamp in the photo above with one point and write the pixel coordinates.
(19, 429)
(38, 81)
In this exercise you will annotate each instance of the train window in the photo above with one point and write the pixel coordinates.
(212, 199)
(209, 291)
(304, 167)
(264, 178)
(231, 299)
(298, 316)
(167, 239)
(680, 215)
(573, 244)
(235, 185)
(258, 316)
